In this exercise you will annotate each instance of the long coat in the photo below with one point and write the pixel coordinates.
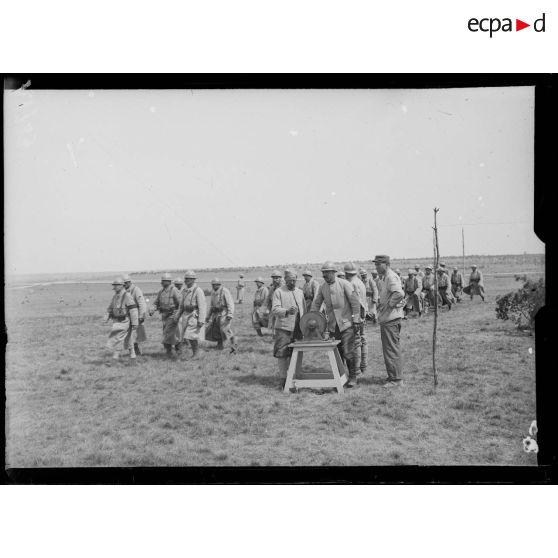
(139, 300)
(167, 303)
(124, 313)
(192, 312)
(341, 301)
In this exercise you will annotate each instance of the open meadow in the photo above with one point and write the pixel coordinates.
(70, 405)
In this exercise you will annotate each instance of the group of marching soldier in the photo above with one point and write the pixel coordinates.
(348, 298)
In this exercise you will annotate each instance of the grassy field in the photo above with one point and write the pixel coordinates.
(69, 405)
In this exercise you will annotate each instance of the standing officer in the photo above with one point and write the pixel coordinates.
(192, 311)
(288, 308)
(139, 300)
(123, 312)
(167, 303)
(361, 343)
(343, 314)
(221, 313)
(476, 283)
(260, 314)
(390, 312)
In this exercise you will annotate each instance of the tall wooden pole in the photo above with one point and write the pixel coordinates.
(436, 264)
(463, 248)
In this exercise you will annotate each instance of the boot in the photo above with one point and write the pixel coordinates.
(195, 349)
(259, 332)
(283, 367)
(178, 348)
(219, 345)
(234, 346)
(132, 354)
(352, 373)
(137, 349)
(168, 350)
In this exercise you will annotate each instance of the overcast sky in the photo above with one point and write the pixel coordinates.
(147, 180)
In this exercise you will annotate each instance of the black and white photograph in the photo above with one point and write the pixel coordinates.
(265, 277)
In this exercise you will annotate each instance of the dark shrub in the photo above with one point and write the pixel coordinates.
(521, 306)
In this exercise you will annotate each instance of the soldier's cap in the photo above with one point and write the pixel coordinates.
(341, 274)
(276, 273)
(190, 274)
(428, 267)
(126, 278)
(412, 272)
(363, 271)
(382, 259)
(397, 270)
(417, 266)
(440, 269)
(374, 272)
(473, 265)
(178, 281)
(350, 268)
(166, 277)
(290, 273)
(118, 281)
(442, 264)
(307, 272)
(258, 280)
(329, 266)
(455, 269)
(215, 281)
(241, 275)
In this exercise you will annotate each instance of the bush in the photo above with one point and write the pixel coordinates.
(521, 306)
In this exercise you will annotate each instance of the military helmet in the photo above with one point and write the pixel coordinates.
(276, 273)
(428, 267)
(259, 280)
(290, 273)
(350, 268)
(215, 281)
(166, 277)
(126, 278)
(241, 275)
(178, 281)
(363, 271)
(190, 274)
(329, 266)
(412, 271)
(307, 272)
(118, 281)
(341, 274)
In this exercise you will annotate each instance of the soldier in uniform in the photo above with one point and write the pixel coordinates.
(220, 315)
(240, 285)
(288, 308)
(123, 312)
(420, 274)
(260, 314)
(341, 275)
(428, 294)
(310, 288)
(413, 297)
(167, 303)
(443, 287)
(276, 282)
(192, 312)
(476, 283)
(449, 292)
(179, 284)
(389, 316)
(371, 293)
(361, 343)
(343, 314)
(139, 300)
(456, 284)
